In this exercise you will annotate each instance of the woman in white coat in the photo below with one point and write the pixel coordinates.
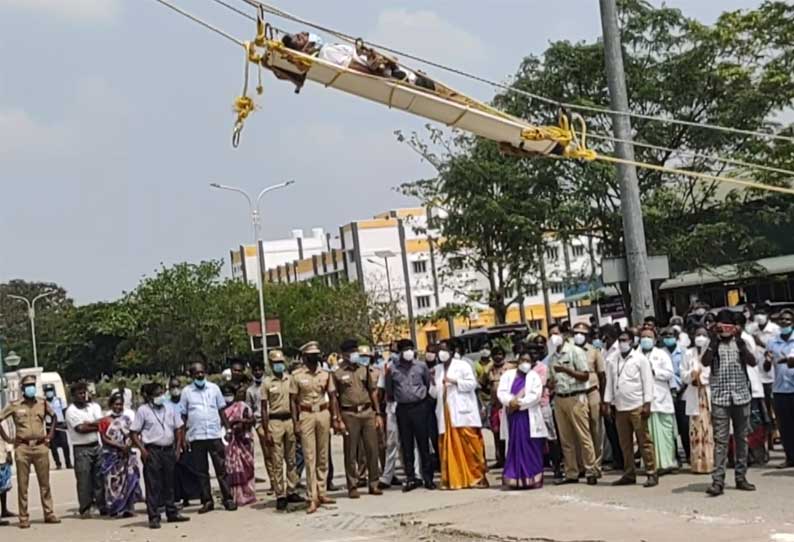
(698, 405)
(461, 446)
(520, 392)
(664, 432)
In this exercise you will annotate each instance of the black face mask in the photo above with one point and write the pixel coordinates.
(312, 359)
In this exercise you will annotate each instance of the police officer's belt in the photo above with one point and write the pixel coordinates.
(356, 408)
(572, 394)
(282, 416)
(314, 408)
(19, 441)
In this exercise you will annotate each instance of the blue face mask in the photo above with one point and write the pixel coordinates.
(199, 383)
(786, 330)
(50, 395)
(30, 391)
(647, 343)
(363, 361)
(159, 401)
(354, 357)
(279, 368)
(670, 342)
(598, 343)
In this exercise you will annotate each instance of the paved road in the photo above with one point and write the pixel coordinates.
(677, 508)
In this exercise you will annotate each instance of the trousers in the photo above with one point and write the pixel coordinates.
(392, 448)
(682, 421)
(631, 424)
(361, 430)
(611, 430)
(36, 457)
(282, 451)
(267, 452)
(88, 473)
(315, 439)
(413, 428)
(200, 450)
(784, 407)
(61, 442)
(721, 419)
(596, 431)
(573, 423)
(159, 479)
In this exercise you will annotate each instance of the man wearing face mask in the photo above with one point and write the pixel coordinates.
(59, 441)
(431, 360)
(671, 345)
(157, 432)
(728, 357)
(597, 369)
(31, 447)
(781, 354)
(186, 484)
(279, 432)
(314, 405)
(388, 410)
(629, 390)
(202, 405)
(490, 383)
(569, 376)
(611, 350)
(356, 388)
(764, 331)
(407, 383)
(253, 399)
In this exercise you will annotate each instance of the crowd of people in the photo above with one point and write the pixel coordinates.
(709, 390)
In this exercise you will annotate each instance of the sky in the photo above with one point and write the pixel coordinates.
(115, 115)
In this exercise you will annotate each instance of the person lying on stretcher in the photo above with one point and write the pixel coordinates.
(356, 57)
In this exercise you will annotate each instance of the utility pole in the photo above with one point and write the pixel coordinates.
(31, 304)
(633, 227)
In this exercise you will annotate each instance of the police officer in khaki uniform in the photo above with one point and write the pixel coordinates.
(278, 431)
(313, 406)
(356, 387)
(32, 447)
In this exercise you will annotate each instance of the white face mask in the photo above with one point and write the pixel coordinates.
(701, 341)
(683, 341)
(624, 347)
(579, 339)
(408, 355)
(556, 341)
(443, 356)
(761, 319)
(525, 367)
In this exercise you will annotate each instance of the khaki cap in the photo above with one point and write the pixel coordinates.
(311, 347)
(275, 355)
(28, 379)
(364, 350)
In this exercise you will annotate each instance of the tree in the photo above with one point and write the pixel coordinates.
(738, 72)
(486, 215)
(15, 325)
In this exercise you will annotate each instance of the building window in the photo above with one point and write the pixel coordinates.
(432, 337)
(423, 302)
(420, 266)
(532, 290)
(557, 287)
(351, 256)
(455, 262)
(552, 253)
(577, 250)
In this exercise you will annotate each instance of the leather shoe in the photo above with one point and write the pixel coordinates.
(651, 481)
(744, 485)
(294, 498)
(206, 507)
(24, 525)
(281, 503)
(566, 481)
(382, 486)
(326, 500)
(52, 520)
(396, 481)
(353, 494)
(179, 518)
(410, 485)
(785, 465)
(431, 485)
(154, 524)
(624, 481)
(331, 487)
(375, 490)
(592, 481)
(715, 490)
(230, 506)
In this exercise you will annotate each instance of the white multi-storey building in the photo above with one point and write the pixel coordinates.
(395, 256)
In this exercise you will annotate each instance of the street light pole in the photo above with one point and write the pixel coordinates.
(256, 223)
(32, 317)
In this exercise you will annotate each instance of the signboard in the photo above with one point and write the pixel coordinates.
(273, 341)
(614, 270)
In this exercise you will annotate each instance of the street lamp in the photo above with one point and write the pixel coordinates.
(12, 359)
(385, 254)
(256, 223)
(32, 316)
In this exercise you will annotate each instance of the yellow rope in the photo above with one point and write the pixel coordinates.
(696, 175)
(243, 104)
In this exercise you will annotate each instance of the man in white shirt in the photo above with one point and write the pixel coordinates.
(82, 419)
(764, 330)
(629, 390)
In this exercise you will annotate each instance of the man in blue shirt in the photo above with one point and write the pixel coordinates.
(202, 404)
(677, 388)
(59, 441)
(780, 352)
